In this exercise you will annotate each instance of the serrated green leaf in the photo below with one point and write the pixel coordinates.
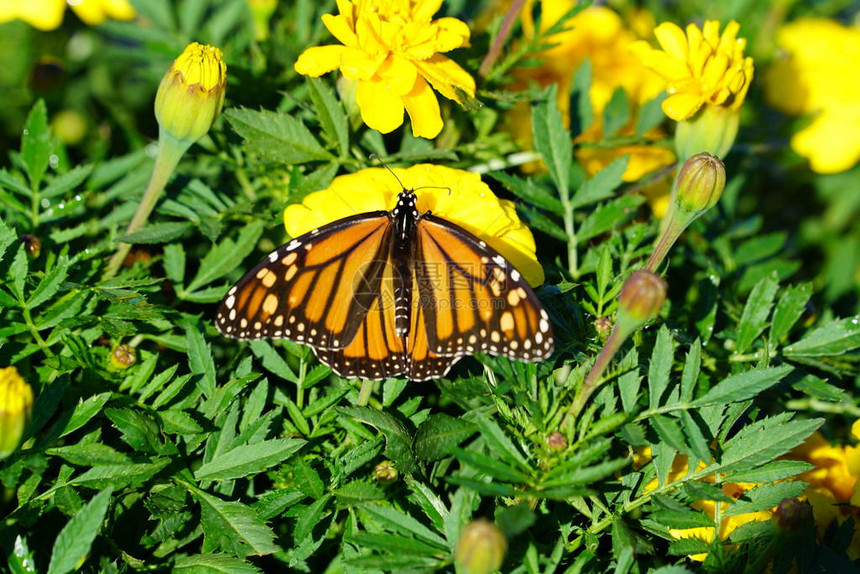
(788, 310)
(682, 518)
(356, 492)
(36, 144)
(50, 283)
(85, 411)
(765, 496)
(771, 471)
(815, 387)
(529, 191)
(174, 262)
(307, 479)
(157, 233)
(439, 434)
(400, 522)
(661, 365)
(200, 359)
(754, 319)
(233, 526)
(212, 564)
(248, 459)
(275, 136)
(330, 114)
(552, 139)
(692, 367)
(139, 430)
(120, 475)
(225, 256)
(20, 560)
(66, 182)
(397, 436)
(310, 518)
(612, 215)
(834, 338)
(669, 432)
(743, 386)
(490, 466)
(699, 445)
(75, 539)
(602, 185)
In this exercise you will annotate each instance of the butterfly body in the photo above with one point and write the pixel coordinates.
(390, 293)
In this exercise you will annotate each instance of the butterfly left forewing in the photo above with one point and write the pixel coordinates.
(473, 299)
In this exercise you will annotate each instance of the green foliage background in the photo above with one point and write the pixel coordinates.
(210, 455)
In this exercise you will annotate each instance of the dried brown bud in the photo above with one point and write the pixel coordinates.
(792, 515)
(122, 357)
(385, 472)
(556, 441)
(32, 245)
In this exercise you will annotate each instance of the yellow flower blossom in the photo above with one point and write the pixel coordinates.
(834, 489)
(48, 14)
(452, 194)
(728, 524)
(707, 78)
(818, 78)
(16, 401)
(598, 34)
(393, 50)
(701, 67)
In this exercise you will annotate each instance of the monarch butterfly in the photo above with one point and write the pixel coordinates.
(389, 293)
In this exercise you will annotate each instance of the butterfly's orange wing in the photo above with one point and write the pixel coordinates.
(316, 289)
(471, 299)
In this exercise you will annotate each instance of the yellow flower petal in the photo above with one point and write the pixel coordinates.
(319, 60)
(423, 109)
(341, 28)
(448, 78)
(399, 75)
(682, 106)
(672, 40)
(381, 109)
(820, 142)
(360, 65)
(45, 15)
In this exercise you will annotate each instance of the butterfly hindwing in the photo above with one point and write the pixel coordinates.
(473, 299)
(316, 289)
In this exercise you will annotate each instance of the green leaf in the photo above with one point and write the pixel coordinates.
(616, 114)
(174, 262)
(552, 140)
(669, 432)
(75, 539)
(120, 475)
(602, 185)
(307, 479)
(499, 443)
(765, 496)
(699, 445)
(276, 137)
(661, 365)
(754, 319)
(743, 386)
(233, 526)
(212, 564)
(399, 522)
(50, 283)
(490, 466)
(650, 115)
(771, 471)
(65, 183)
(682, 518)
(21, 560)
(788, 310)
(815, 387)
(200, 358)
(248, 459)
(529, 191)
(330, 114)
(225, 256)
(439, 434)
(36, 144)
(310, 518)
(397, 437)
(139, 430)
(834, 338)
(692, 367)
(612, 215)
(157, 233)
(356, 492)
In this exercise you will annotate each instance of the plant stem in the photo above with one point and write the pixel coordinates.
(668, 236)
(593, 379)
(169, 153)
(364, 393)
(501, 37)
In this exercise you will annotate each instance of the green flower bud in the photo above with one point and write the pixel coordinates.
(191, 93)
(122, 357)
(700, 183)
(16, 402)
(481, 548)
(385, 472)
(712, 130)
(642, 296)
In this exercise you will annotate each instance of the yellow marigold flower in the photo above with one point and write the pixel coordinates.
(700, 68)
(460, 197)
(679, 469)
(818, 78)
(16, 401)
(393, 50)
(191, 93)
(48, 14)
(707, 78)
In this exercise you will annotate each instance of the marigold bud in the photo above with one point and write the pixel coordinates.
(792, 516)
(191, 93)
(700, 183)
(122, 357)
(481, 548)
(642, 296)
(16, 401)
(385, 472)
(556, 441)
(32, 245)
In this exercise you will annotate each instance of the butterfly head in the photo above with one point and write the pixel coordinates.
(406, 204)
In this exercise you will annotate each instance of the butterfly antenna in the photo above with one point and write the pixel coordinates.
(391, 171)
